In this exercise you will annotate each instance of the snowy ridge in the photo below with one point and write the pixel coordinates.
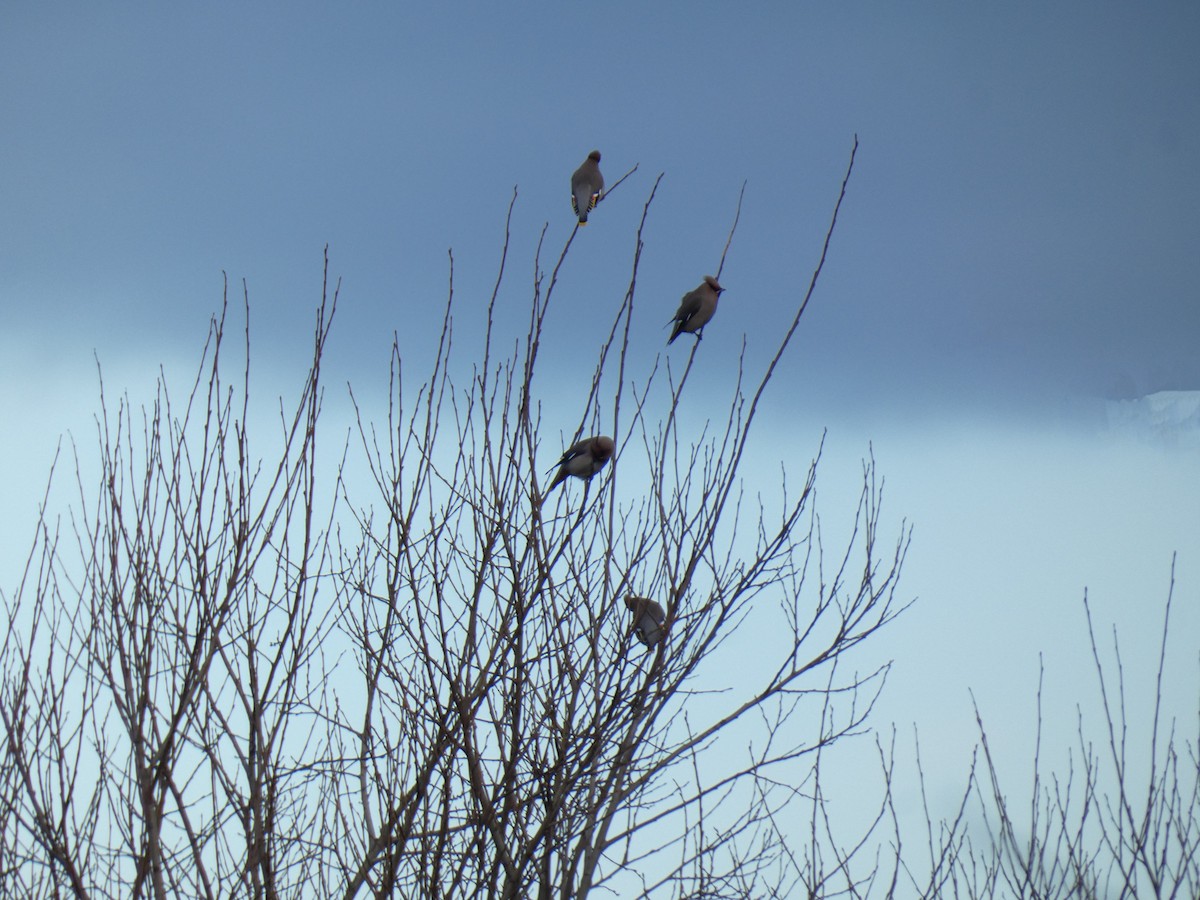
(1166, 417)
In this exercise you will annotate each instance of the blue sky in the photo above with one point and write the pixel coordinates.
(1019, 241)
(1021, 224)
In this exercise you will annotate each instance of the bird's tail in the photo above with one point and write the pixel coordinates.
(558, 479)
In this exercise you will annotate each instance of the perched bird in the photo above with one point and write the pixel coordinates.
(583, 459)
(587, 185)
(696, 308)
(649, 619)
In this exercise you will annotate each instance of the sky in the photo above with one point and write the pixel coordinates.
(1017, 246)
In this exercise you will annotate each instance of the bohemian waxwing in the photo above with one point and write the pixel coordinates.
(587, 186)
(583, 459)
(696, 308)
(649, 619)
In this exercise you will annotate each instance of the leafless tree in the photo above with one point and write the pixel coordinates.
(1117, 823)
(513, 740)
(157, 677)
(233, 672)
(1108, 827)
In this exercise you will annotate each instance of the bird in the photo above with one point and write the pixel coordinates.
(649, 619)
(696, 308)
(583, 459)
(587, 185)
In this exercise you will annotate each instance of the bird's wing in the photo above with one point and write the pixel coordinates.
(688, 306)
(570, 453)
